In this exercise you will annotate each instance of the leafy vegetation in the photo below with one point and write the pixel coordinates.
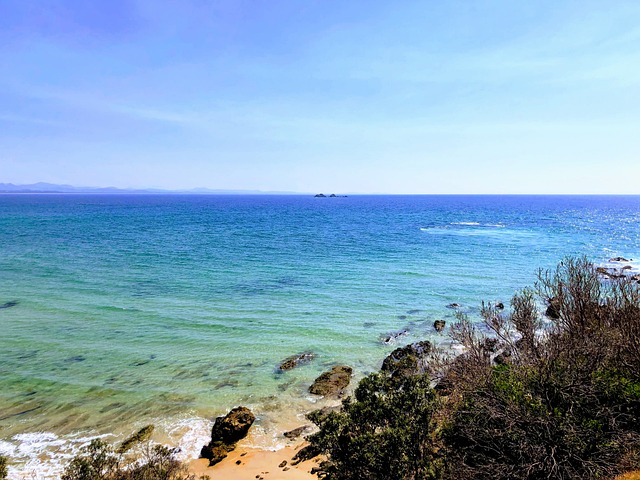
(546, 396)
(3, 467)
(99, 461)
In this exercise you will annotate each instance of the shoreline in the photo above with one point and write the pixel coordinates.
(247, 463)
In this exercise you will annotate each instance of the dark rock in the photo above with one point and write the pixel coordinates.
(296, 432)
(9, 304)
(215, 452)
(332, 382)
(295, 361)
(226, 432)
(233, 426)
(619, 259)
(627, 267)
(503, 358)
(282, 464)
(238, 462)
(414, 311)
(439, 325)
(333, 195)
(393, 336)
(490, 345)
(318, 416)
(140, 436)
(453, 305)
(553, 310)
(408, 360)
(500, 306)
(320, 195)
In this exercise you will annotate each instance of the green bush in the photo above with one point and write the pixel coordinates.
(99, 461)
(547, 396)
(3, 467)
(385, 431)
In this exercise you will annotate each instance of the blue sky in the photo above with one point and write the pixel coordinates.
(332, 96)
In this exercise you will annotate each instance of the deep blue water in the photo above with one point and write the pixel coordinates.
(172, 309)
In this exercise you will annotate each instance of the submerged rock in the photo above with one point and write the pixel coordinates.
(439, 325)
(453, 305)
(408, 360)
(332, 382)
(295, 361)
(226, 432)
(619, 259)
(393, 336)
(296, 432)
(140, 436)
(9, 304)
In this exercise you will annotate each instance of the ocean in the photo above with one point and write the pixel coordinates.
(117, 311)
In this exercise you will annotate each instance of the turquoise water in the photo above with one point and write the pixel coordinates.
(173, 309)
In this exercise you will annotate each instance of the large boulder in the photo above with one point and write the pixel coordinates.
(408, 360)
(226, 431)
(332, 382)
(295, 361)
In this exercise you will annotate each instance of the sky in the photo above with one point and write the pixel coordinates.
(402, 97)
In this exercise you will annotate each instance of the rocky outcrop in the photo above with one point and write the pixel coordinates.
(320, 195)
(226, 432)
(332, 382)
(408, 360)
(439, 325)
(294, 361)
(453, 305)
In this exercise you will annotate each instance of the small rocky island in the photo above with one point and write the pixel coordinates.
(333, 195)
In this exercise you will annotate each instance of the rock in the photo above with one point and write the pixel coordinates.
(439, 325)
(603, 271)
(490, 345)
(333, 195)
(296, 432)
(233, 426)
(393, 336)
(282, 464)
(226, 432)
(627, 267)
(318, 416)
(500, 306)
(320, 195)
(295, 361)
(332, 382)
(619, 259)
(408, 360)
(453, 305)
(553, 310)
(9, 304)
(503, 358)
(140, 436)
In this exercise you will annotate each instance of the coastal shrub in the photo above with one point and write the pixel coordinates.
(3, 467)
(100, 461)
(384, 431)
(553, 395)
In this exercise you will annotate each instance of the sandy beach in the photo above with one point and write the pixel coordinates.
(251, 464)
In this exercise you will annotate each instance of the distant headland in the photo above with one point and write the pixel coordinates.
(42, 187)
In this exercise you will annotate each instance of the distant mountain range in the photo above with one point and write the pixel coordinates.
(41, 187)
